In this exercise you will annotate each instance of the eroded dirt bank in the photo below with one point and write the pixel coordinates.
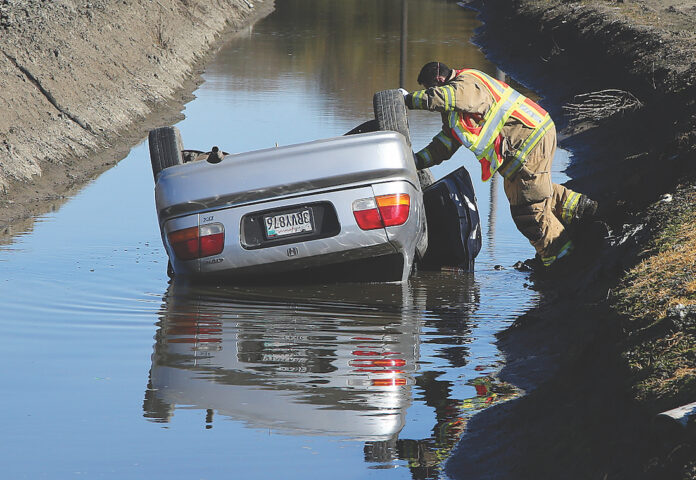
(81, 81)
(605, 351)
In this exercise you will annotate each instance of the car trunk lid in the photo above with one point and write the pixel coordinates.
(281, 172)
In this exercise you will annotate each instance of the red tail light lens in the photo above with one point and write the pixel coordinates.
(184, 243)
(389, 382)
(395, 362)
(366, 214)
(380, 362)
(382, 211)
(197, 242)
(212, 238)
(394, 208)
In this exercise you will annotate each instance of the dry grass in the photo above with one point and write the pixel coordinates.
(662, 359)
(665, 372)
(668, 276)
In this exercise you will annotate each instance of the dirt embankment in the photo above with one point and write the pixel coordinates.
(614, 341)
(80, 82)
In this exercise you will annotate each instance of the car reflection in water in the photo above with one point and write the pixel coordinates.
(336, 360)
(279, 363)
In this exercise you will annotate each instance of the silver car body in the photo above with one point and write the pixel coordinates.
(331, 173)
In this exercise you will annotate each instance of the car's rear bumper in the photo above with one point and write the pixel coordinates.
(375, 264)
(343, 251)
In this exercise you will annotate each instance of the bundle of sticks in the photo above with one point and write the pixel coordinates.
(596, 106)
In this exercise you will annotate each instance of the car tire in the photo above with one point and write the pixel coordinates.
(426, 178)
(166, 149)
(391, 114)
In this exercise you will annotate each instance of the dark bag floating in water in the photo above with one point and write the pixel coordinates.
(454, 229)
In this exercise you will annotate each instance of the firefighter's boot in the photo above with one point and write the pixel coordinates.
(586, 209)
(586, 228)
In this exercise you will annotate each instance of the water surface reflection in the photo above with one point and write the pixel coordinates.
(263, 382)
(278, 360)
(335, 360)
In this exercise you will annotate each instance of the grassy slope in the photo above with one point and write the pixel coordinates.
(660, 354)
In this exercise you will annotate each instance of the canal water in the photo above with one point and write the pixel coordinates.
(112, 371)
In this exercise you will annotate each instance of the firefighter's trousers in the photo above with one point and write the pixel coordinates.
(541, 209)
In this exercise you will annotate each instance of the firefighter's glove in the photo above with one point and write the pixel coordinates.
(408, 99)
(420, 161)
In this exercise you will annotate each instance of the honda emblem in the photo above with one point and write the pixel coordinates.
(292, 251)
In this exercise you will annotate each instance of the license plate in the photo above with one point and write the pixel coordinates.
(289, 223)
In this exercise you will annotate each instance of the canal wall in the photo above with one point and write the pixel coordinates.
(80, 82)
(612, 343)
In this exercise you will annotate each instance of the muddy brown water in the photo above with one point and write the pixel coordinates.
(111, 371)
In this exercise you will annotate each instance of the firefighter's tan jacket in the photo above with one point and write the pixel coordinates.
(470, 97)
(540, 209)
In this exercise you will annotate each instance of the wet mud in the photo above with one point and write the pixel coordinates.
(580, 417)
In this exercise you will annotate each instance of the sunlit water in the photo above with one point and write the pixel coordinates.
(110, 371)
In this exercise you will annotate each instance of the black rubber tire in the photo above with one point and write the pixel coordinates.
(426, 178)
(390, 112)
(165, 149)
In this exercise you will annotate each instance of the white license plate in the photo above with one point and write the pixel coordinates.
(290, 223)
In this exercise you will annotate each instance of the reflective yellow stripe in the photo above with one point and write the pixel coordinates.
(483, 144)
(527, 146)
(569, 207)
(530, 114)
(491, 144)
(494, 121)
(465, 137)
(427, 158)
(448, 91)
(534, 138)
(547, 261)
(511, 168)
(490, 82)
(445, 140)
(493, 165)
(418, 100)
(565, 250)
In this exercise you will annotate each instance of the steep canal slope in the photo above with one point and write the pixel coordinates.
(612, 345)
(77, 77)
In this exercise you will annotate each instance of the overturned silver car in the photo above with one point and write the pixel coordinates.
(350, 207)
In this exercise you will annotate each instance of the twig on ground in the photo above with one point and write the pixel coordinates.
(596, 106)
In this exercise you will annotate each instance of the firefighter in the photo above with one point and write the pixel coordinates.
(511, 135)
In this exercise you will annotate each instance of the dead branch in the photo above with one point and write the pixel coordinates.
(596, 106)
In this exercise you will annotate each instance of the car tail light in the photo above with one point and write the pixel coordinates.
(374, 370)
(382, 211)
(198, 242)
(388, 382)
(394, 208)
(380, 362)
(394, 362)
(366, 214)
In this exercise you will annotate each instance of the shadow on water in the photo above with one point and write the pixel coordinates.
(332, 360)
